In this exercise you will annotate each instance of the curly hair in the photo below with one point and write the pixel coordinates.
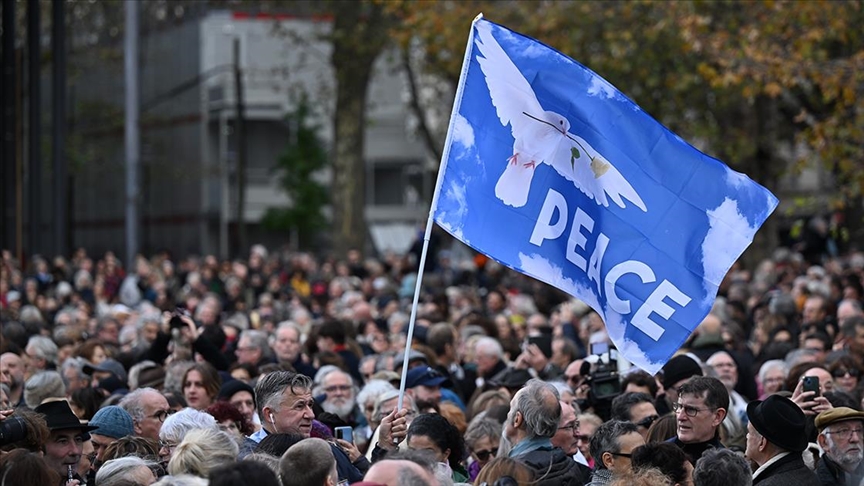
(444, 434)
(223, 411)
(36, 431)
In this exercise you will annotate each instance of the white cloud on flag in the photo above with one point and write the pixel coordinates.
(728, 232)
(544, 270)
(452, 221)
(463, 133)
(615, 327)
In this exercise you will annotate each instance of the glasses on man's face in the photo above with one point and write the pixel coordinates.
(484, 454)
(572, 428)
(161, 415)
(841, 372)
(647, 421)
(845, 434)
(170, 446)
(689, 410)
(621, 454)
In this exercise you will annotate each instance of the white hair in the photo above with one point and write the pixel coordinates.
(176, 426)
(372, 390)
(43, 347)
(121, 470)
(181, 480)
(489, 346)
(772, 364)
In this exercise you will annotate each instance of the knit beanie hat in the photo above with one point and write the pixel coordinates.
(680, 368)
(113, 422)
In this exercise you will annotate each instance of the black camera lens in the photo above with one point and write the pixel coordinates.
(12, 430)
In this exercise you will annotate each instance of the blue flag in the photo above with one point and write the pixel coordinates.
(552, 171)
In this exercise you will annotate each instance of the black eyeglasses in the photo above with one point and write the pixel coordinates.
(841, 372)
(647, 421)
(690, 411)
(571, 427)
(483, 455)
(161, 415)
(620, 454)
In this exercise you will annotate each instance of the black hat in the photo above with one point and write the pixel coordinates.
(512, 378)
(680, 368)
(780, 421)
(59, 416)
(232, 387)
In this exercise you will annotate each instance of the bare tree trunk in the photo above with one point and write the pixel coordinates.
(359, 35)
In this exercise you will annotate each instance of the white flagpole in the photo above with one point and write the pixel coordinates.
(457, 103)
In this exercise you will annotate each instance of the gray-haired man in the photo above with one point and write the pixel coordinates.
(532, 422)
(611, 446)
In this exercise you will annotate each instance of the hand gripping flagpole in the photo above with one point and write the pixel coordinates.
(457, 102)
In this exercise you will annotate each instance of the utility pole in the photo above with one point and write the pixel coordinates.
(132, 132)
(241, 151)
(58, 128)
(34, 133)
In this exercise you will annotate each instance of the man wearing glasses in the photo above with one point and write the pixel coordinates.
(699, 411)
(841, 433)
(567, 437)
(637, 408)
(148, 409)
(535, 413)
(611, 446)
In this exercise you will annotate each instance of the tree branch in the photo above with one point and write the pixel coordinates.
(431, 143)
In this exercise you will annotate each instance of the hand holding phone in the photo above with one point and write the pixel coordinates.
(811, 383)
(344, 433)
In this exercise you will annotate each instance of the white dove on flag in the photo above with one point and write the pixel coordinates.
(542, 136)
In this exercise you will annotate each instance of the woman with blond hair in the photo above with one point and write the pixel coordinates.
(202, 450)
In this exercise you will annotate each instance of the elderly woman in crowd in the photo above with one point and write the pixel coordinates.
(846, 372)
(482, 439)
(176, 427)
(772, 375)
(125, 471)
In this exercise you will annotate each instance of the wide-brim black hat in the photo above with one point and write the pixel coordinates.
(59, 416)
(780, 421)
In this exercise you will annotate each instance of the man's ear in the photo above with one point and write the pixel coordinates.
(517, 420)
(607, 457)
(136, 427)
(719, 416)
(822, 441)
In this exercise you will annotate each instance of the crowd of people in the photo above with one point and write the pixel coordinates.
(284, 369)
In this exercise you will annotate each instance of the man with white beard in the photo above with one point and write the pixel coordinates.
(340, 397)
(840, 436)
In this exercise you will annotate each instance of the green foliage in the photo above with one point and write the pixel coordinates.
(303, 158)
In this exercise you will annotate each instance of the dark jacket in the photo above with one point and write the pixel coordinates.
(552, 467)
(694, 451)
(788, 471)
(831, 474)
